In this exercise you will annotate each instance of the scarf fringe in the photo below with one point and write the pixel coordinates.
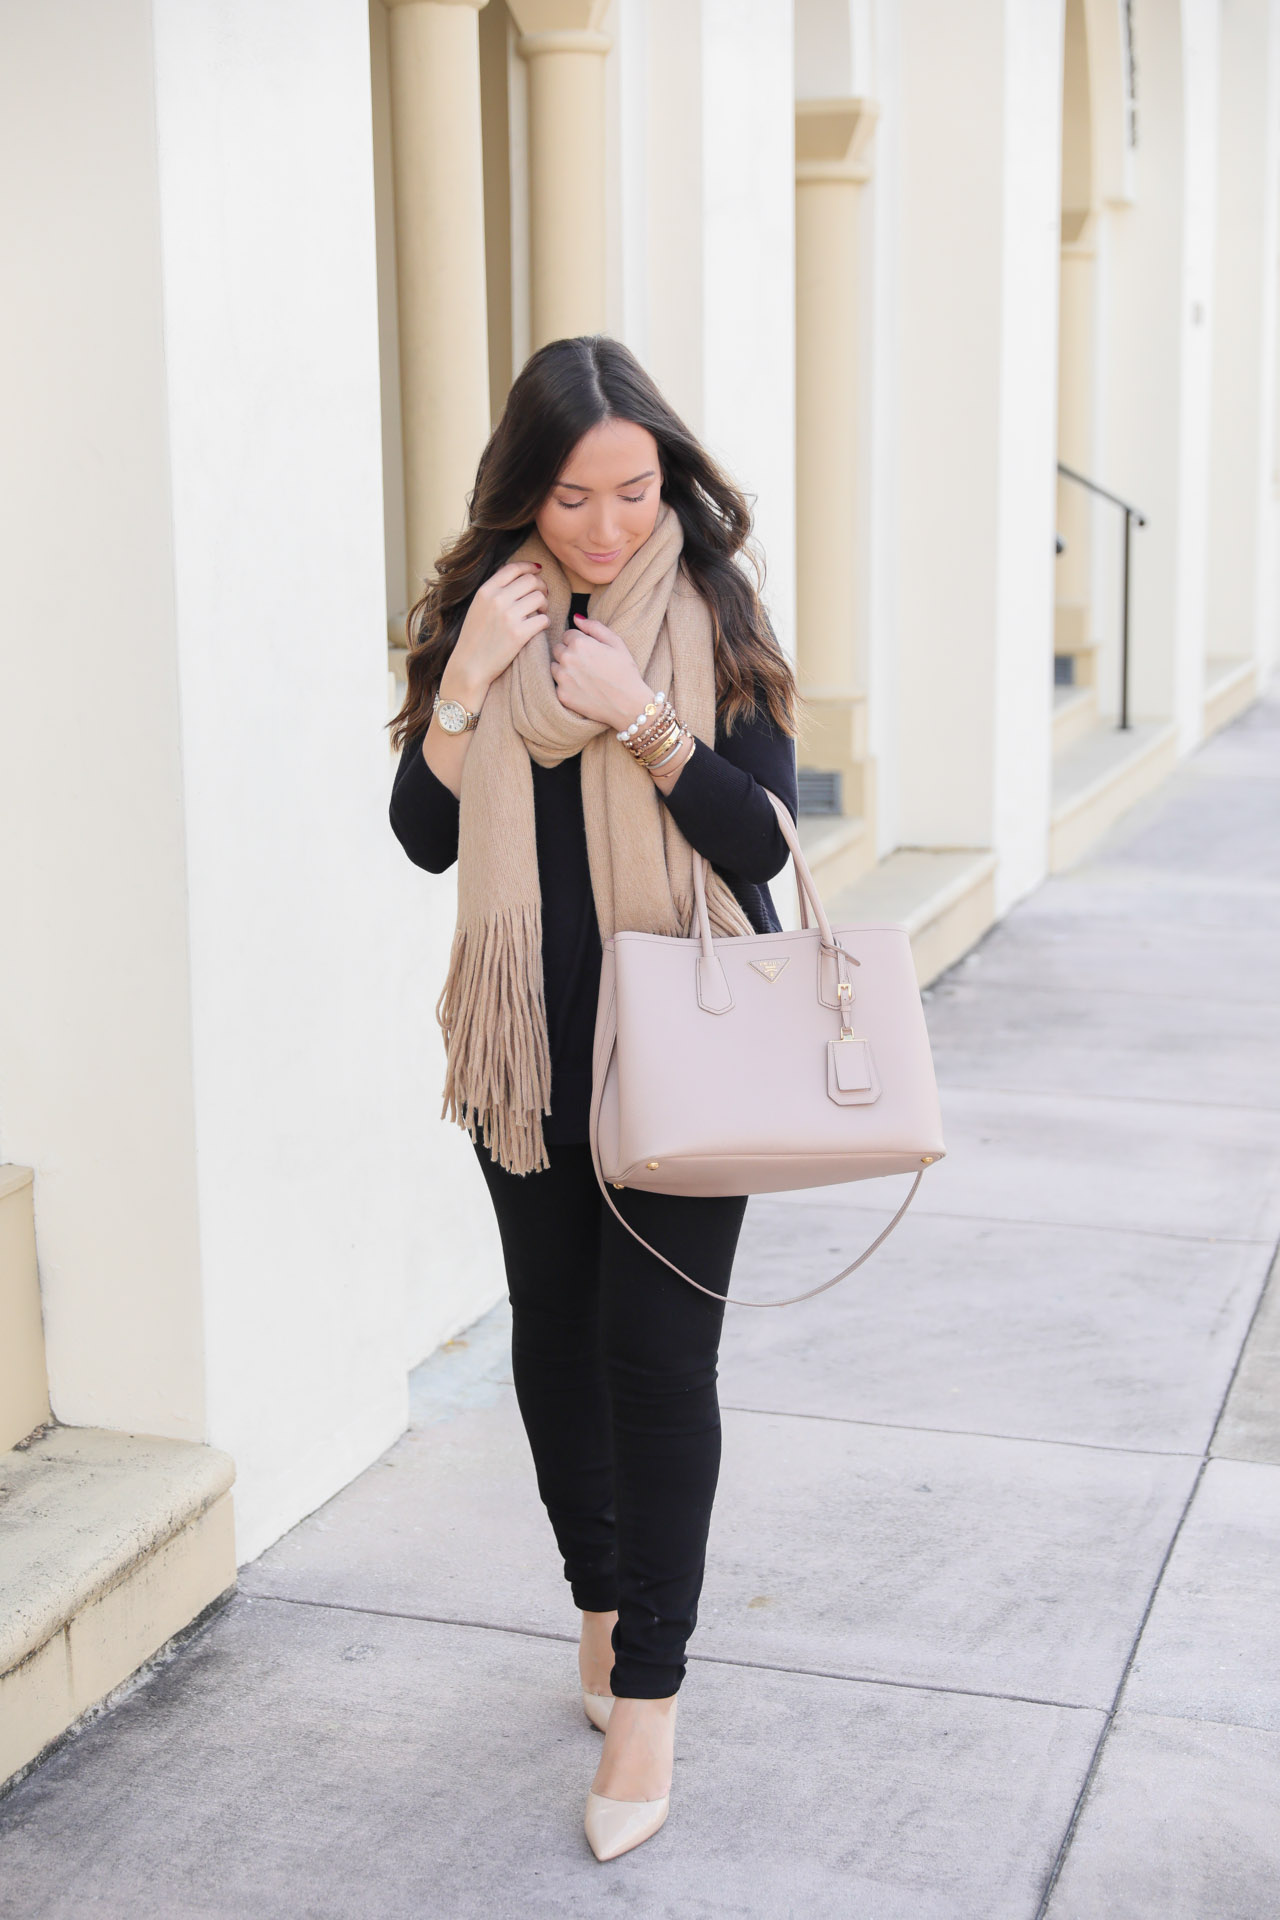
(498, 1063)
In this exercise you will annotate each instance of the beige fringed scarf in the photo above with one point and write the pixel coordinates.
(492, 1011)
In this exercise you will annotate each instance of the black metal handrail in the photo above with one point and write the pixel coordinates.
(1132, 516)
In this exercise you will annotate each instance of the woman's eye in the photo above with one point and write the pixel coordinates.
(632, 500)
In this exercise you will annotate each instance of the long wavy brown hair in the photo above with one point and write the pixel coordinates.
(564, 390)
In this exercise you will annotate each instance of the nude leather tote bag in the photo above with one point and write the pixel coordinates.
(762, 1062)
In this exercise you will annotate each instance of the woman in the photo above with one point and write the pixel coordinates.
(594, 655)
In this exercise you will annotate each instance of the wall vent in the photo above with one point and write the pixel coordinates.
(819, 792)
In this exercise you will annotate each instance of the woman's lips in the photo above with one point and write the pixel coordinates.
(599, 559)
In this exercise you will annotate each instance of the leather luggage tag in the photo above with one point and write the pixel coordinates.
(852, 1080)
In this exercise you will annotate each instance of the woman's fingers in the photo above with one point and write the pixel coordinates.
(514, 605)
(514, 570)
(575, 702)
(516, 589)
(598, 631)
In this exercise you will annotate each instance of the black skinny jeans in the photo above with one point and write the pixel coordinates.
(614, 1359)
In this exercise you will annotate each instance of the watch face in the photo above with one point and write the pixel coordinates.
(452, 717)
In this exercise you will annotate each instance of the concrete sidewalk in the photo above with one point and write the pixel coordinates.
(991, 1617)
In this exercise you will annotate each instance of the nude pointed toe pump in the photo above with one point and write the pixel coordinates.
(615, 1826)
(597, 1707)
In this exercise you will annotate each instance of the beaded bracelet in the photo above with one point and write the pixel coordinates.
(639, 744)
(654, 730)
(658, 747)
(657, 743)
(646, 715)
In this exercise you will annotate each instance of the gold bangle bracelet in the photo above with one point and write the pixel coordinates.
(662, 749)
(664, 732)
(661, 766)
(657, 730)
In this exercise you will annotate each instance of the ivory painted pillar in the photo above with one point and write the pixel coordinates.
(1073, 622)
(831, 139)
(440, 273)
(1074, 633)
(564, 48)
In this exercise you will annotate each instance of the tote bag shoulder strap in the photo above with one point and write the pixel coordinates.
(788, 1300)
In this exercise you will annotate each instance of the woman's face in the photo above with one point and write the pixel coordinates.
(604, 503)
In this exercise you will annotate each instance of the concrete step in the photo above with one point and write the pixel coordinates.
(1075, 713)
(24, 1385)
(838, 849)
(944, 899)
(110, 1544)
(1101, 777)
(1229, 687)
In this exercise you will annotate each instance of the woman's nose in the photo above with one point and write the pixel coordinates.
(602, 535)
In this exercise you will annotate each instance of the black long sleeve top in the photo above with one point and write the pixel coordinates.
(721, 807)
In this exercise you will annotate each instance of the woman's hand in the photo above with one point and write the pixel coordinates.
(504, 615)
(595, 675)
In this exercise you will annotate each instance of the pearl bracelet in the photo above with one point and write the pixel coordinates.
(643, 718)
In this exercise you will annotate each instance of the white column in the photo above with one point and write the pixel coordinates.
(1244, 454)
(979, 104)
(1074, 627)
(1074, 631)
(96, 1036)
(197, 919)
(672, 240)
(748, 270)
(1155, 346)
(565, 49)
(440, 267)
(1200, 163)
(271, 358)
(1022, 668)
(831, 141)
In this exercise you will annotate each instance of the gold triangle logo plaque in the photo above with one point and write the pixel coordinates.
(769, 968)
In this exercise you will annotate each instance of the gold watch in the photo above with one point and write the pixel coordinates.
(453, 716)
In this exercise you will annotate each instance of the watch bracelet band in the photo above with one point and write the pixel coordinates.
(473, 719)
